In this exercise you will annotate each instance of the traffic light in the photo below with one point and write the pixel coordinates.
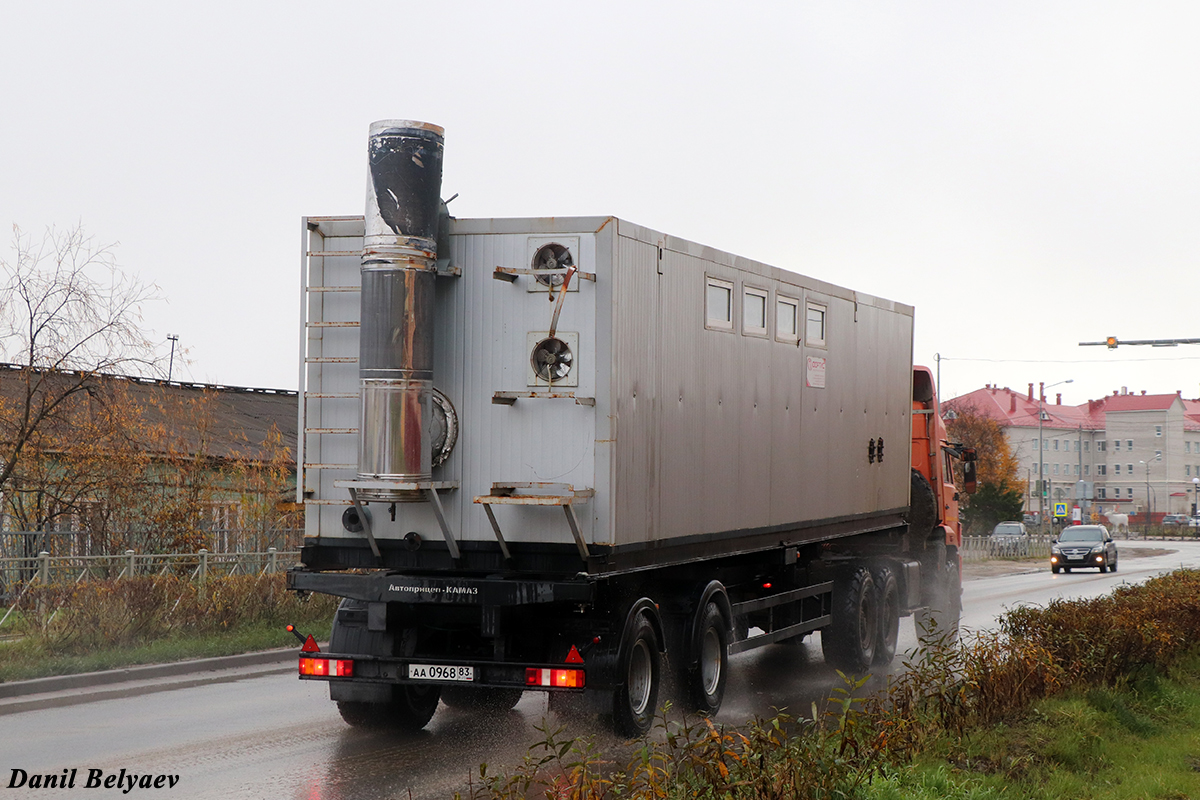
(1111, 342)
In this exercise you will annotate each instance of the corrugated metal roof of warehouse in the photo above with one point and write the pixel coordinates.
(242, 417)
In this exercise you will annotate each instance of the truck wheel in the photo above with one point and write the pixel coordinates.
(410, 709)
(706, 680)
(887, 590)
(849, 641)
(940, 618)
(635, 700)
(922, 509)
(481, 700)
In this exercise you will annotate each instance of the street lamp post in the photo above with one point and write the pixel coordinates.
(1195, 497)
(1041, 465)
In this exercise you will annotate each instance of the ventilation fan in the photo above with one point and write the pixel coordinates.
(551, 256)
(551, 360)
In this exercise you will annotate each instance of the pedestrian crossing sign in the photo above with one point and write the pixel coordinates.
(1060, 509)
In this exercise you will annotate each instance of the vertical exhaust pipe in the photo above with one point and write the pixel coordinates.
(395, 366)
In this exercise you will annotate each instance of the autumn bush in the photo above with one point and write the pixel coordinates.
(83, 617)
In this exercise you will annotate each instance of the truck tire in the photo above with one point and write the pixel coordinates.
(922, 509)
(481, 700)
(405, 707)
(939, 620)
(887, 589)
(848, 643)
(705, 680)
(409, 710)
(636, 698)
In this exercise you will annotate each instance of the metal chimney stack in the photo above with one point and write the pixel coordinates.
(395, 362)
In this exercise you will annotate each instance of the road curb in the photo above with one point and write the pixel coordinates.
(64, 690)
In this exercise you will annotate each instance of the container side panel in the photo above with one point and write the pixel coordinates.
(634, 310)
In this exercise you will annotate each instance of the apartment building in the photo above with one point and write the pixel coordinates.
(1137, 452)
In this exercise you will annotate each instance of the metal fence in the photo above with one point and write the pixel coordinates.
(198, 566)
(28, 544)
(981, 548)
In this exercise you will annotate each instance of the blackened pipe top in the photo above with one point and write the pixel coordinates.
(404, 190)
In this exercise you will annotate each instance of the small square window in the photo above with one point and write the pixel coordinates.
(718, 305)
(754, 311)
(814, 325)
(787, 319)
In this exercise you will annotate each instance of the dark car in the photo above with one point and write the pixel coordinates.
(1083, 546)
(1009, 539)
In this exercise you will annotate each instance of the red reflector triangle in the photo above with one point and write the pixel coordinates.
(573, 657)
(310, 645)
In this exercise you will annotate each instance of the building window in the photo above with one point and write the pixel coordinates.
(718, 305)
(1129, 444)
(814, 325)
(1100, 493)
(1101, 469)
(1117, 445)
(1076, 445)
(1187, 447)
(1056, 469)
(1056, 444)
(754, 311)
(1087, 469)
(1116, 469)
(1158, 455)
(1187, 470)
(1130, 468)
(1045, 444)
(787, 319)
(1101, 446)
(1085, 446)
(1158, 430)
(1076, 469)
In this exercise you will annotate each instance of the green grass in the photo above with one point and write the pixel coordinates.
(27, 658)
(1136, 742)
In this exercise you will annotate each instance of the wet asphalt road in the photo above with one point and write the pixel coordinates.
(277, 737)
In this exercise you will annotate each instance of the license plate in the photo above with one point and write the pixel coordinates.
(1074, 558)
(440, 672)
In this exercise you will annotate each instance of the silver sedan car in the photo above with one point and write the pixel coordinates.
(1083, 546)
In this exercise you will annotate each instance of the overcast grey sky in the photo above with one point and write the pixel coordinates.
(1026, 174)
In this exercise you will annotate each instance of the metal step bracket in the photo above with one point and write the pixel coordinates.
(511, 274)
(430, 490)
(537, 493)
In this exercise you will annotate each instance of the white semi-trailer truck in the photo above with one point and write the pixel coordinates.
(567, 454)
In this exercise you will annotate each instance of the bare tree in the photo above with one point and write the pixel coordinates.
(67, 312)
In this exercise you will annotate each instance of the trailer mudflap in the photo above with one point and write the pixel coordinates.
(380, 587)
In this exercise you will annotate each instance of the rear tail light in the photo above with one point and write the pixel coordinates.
(327, 667)
(560, 678)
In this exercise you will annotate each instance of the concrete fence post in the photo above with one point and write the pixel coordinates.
(131, 570)
(44, 567)
(202, 574)
(272, 559)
